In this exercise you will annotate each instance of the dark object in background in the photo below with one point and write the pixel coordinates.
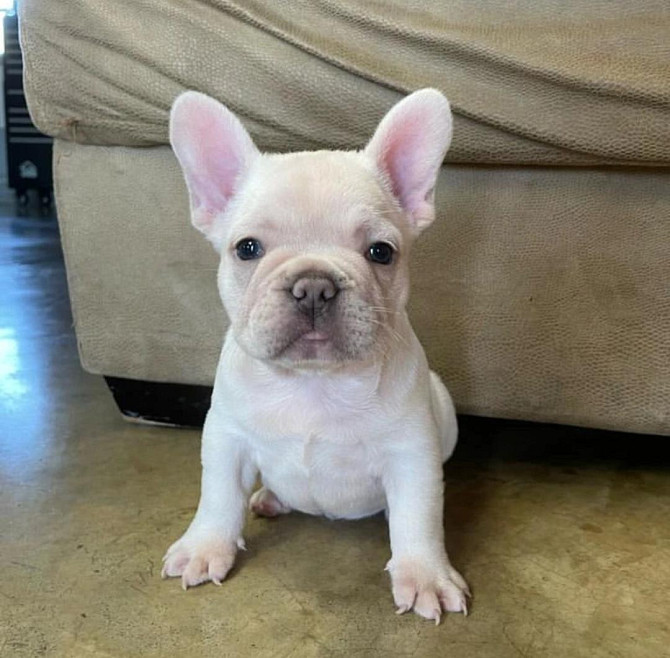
(28, 150)
(184, 405)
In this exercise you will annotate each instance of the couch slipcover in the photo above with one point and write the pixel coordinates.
(569, 83)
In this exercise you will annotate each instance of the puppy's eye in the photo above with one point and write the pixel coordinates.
(249, 249)
(381, 253)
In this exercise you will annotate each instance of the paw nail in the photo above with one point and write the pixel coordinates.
(402, 610)
(437, 617)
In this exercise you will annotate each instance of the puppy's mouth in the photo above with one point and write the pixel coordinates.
(310, 345)
(314, 336)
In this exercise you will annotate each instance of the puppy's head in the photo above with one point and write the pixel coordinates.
(314, 246)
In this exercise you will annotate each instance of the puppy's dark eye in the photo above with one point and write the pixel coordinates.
(380, 252)
(249, 249)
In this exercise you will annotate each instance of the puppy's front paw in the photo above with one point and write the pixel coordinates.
(198, 558)
(427, 588)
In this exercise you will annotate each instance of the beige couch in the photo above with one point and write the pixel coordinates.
(543, 290)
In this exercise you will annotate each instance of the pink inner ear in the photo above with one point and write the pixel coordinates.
(211, 185)
(401, 159)
(220, 157)
(409, 146)
(213, 148)
(211, 166)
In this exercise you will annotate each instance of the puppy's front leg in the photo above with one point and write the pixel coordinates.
(207, 549)
(422, 578)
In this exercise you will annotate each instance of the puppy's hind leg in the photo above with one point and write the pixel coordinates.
(264, 503)
(445, 415)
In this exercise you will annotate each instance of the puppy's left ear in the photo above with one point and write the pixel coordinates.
(409, 146)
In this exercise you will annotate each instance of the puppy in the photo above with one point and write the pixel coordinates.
(322, 387)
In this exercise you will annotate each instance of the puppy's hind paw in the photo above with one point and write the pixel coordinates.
(264, 503)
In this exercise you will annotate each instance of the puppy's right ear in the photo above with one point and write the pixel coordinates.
(214, 151)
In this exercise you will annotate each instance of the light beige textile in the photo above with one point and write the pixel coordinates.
(544, 82)
(539, 293)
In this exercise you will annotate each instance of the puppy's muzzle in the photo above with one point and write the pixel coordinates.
(313, 293)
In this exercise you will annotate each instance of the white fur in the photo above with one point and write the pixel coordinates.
(349, 425)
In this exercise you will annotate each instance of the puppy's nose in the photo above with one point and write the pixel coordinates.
(313, 293)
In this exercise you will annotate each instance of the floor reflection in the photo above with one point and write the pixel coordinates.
(12, 388)
(33, 323)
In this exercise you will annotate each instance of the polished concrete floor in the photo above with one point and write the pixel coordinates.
(563, 534)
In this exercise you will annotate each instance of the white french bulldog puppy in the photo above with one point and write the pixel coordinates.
(322, 387)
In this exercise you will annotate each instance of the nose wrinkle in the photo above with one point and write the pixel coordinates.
(302, 266)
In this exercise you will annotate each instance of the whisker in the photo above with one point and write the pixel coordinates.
(392, 332)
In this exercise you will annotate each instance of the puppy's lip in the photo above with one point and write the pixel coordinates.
(315, 336)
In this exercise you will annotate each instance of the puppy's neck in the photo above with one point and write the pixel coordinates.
(390, 374)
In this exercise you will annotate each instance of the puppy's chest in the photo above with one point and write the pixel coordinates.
(318, 421)
(317, 475)
(316, 446)
(313, 456)
(320, 462)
